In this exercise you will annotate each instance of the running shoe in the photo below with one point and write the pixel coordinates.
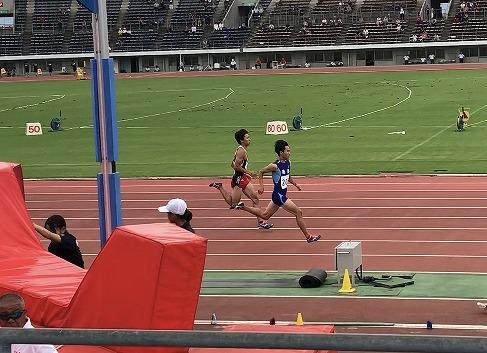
(237, 206)
(265, 225)
(215, 185)
(313, 238)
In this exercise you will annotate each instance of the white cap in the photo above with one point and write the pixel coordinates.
(176, 206)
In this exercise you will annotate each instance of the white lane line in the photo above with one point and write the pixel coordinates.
(301, 192)
(346, 297)
(349, 207)
(351, 323)
(286, 217)
(363, 255)
(366, 114)
(432, 137)
(350, 228)
(324, 240)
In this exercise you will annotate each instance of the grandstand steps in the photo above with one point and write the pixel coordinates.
(170, 12)
(255, 19)
(263, 19)
(68, 33)
(123, 12)
(27, 33)
(221, 12)
(454, 7)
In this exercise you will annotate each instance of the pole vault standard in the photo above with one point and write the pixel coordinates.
(105, 122)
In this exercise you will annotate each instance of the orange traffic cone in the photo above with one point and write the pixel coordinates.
(346, 284)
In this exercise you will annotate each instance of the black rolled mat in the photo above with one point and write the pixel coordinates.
(313, 278)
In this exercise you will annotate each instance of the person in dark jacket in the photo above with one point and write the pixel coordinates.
(63, 244)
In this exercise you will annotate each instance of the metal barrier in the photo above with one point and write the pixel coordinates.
(219, 339)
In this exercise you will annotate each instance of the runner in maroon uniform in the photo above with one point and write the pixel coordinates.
(241, 180)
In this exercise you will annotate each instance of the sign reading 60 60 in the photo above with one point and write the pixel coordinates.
(276, 128)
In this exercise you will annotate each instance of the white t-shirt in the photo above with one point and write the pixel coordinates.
(33, 348)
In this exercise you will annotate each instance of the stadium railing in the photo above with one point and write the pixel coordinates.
(218, 339)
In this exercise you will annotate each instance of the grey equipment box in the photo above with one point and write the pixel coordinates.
(348, 255)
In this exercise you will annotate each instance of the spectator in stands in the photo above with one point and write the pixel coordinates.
(401, 14)
(156, 68)
(418, 20)
(178, 213)
(62, 243)
(432, 58)
(49, 69)
(365, 32)
(258, 63)
(14, 314)
(461, 57)
(414, 38)
(233, 64)
(436, 37)
(283, 62)
(324, 22)
(406, 59)
(271, 27)
(378, 21)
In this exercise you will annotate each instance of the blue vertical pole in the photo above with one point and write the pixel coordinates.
(105, 122)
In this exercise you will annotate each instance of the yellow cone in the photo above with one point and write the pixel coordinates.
(299, 320)
(346, 285)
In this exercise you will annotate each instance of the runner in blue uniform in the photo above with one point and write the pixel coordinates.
(281, 176)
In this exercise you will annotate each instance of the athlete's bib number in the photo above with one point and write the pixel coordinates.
(284, 179)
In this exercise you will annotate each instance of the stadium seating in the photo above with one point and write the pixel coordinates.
(228, 38)
(146, 276)
(10, 44)
(180, 40)
(276, 37)
(318, 35)
(136, 40)
(472, 29)
(193, 12)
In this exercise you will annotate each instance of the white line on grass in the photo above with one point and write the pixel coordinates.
(365, 114)
(56, 97)
(431, 137)
(164, 113)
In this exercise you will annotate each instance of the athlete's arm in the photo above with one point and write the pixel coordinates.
(237, 163)
(269, 168)
(291, 181)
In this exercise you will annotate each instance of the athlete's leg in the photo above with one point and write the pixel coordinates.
(257, 211)
(250, 192)
(296, 211)
(231, 197)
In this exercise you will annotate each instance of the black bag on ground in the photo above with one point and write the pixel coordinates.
(313, 278)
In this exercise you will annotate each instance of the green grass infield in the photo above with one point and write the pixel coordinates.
(356, 123)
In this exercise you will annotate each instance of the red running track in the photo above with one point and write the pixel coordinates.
(407, 223)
